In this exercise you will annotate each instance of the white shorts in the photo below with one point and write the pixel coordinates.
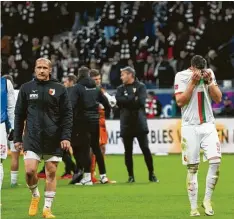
(39, 157)
(196, 137)
(3, 141)
(12, 146)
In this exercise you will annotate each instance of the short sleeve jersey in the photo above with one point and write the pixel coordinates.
(199, 109)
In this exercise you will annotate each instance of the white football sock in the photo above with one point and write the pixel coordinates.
(192, 186)
(14, 177)
(1, 175)
(49, 197)
(34, 190)
(211, 179)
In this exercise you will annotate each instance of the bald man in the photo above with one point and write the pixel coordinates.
(44, 104)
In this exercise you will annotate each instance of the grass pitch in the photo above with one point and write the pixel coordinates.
(142, 200)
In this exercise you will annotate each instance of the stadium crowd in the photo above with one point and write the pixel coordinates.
(156, 38)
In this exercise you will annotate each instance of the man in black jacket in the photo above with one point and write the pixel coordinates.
(85, 99)
(44, 104)
(131, 98)
(69, 82)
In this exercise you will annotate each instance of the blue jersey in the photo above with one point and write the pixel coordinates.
(4, 116)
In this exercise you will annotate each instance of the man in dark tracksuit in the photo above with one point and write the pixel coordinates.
(43, 103)
(131, 98)
(70, 166)
(85, 99)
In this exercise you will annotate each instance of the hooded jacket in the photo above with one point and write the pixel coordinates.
(85, 98)
(48, 113)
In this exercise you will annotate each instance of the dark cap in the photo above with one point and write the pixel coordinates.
(129, 69)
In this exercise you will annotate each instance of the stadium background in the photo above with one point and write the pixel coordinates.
(158, 40)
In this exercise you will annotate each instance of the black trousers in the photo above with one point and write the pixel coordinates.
(144, 145)
(82, 142)
(69, 164)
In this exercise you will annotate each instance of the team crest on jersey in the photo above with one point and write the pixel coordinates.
(52, 92)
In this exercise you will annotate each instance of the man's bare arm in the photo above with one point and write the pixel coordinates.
(215, 93)
(183, 98)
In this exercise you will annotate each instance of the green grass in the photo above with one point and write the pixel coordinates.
(143, 200)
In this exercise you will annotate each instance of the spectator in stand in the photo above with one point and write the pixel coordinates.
(125, 51)
(158, 44)
(115, 71)
(114, 46)
(93, 64)
(164, 73)
(35, 49)
(20, 48)
(105, 72)
(13, 70)
(149, 68)
(181, 32)
(26, 72)
(141, 57)
(47, 48)
(131, 63)
(57, 71)
(110, 16)
(183, 62)
(153, 107)
(67, 49)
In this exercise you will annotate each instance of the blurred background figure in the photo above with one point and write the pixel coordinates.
(228, 110)
(153, 107)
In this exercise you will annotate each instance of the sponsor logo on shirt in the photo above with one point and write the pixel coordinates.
(86, 88)
(33, 96)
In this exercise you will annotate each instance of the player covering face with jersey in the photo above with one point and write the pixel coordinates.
(194, 89)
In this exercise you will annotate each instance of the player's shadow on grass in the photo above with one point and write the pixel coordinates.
(113, 184)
